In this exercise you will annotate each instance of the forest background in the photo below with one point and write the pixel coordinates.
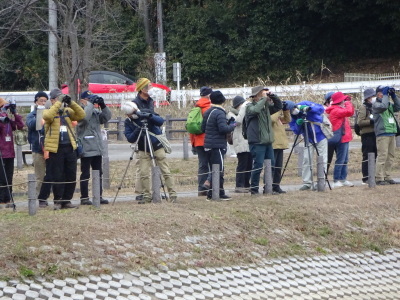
(218, 42)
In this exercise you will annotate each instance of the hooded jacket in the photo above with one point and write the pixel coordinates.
(339, 115)
(382, 109)
(240, 144)
(88, 130)
(198, 139)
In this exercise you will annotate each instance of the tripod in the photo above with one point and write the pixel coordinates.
(147, 144)
(307, 146)
(7, 183)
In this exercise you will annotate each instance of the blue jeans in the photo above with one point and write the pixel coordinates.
(342, 157)
(259, 152)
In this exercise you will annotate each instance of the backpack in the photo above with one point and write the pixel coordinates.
(20, 137)
(194, 120)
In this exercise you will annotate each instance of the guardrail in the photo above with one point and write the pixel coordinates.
(26, 98)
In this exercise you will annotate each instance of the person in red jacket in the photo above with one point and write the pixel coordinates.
(339, 112)
(197, 141)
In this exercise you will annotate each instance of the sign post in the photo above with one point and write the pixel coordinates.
(176, 72)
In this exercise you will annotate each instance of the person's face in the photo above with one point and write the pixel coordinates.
(84, 101)
(146, 90)
(53, 101)
(368, 100)
(379, 95)
(41, 101)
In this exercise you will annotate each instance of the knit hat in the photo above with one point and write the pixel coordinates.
(40, 94)
(2, 102)
(369, 93)
(255, 90)
(290, 105)
(141, 83)
(338, 97)
(86, 94)
(205, 91)
(217, 97)
(55, 93)
(237, 101)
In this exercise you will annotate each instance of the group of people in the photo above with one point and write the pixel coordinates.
(258, 126)
(56, 127)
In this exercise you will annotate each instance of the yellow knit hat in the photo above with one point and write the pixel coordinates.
(141, 83)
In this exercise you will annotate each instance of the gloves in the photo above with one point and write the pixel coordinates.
(13, 109)
(101, 103)
(392, 92)
(385, 90)
(300, 121)
(231, 121)
(284, 105)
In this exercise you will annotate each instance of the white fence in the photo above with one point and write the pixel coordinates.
(26, 98)
(348, 77)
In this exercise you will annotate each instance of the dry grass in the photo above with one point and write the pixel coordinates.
(196, 233)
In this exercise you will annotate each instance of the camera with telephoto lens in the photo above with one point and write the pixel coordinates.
(303, 108)
(143, 115)
(66, 99)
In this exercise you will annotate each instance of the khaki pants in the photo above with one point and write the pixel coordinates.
(39, 164)
(146, 164)
(385, 159)
(138, 182)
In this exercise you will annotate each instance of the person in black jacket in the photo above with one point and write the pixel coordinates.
(216, 127)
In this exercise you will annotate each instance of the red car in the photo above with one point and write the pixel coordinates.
(101, 82)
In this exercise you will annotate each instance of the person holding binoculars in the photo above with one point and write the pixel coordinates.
(89, 133)
(7, 154)
(61, 143)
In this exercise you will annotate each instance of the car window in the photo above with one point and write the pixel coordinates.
(111, 79)
(96, 78)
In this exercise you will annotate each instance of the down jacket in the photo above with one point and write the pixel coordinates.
(279, 119)
(52, 123)
(198, 139)
(339, 114)
(215, 127)
(6, 135)
(88, 130)
(240, 144)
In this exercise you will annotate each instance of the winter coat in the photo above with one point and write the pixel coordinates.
(141, 103)
(133, 128)
(258, 122)
(35, 137)
(382, 109)
(52, 124)
(198, 139)
(279, 119)
(215, 127)
(314, 115)
(363, 119)
(240, 144)
(88, 130)
(6, 135)
(337, 115)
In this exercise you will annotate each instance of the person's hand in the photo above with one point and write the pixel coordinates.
(348, 98)
(194, 150)
(231, 120)
(385, 90)
(300, 122)
(13, 109)
(100, 102)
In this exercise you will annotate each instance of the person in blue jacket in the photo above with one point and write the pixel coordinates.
(143, 104)
(307, 115)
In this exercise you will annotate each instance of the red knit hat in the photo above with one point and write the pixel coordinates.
(338, 97)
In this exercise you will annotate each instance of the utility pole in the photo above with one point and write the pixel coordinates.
(160, 57)
(53, 61)
(160, 30)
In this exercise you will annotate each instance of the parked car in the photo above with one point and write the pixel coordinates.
(101, 82)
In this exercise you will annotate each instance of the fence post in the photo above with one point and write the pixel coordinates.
(168, 126)
(185, 148)
(19, 157)
(32, 194)
(320, 174)
(215, 181)
(268, 176)
(156, 184)
(106, 166)
(371, 170)
(96, 188)
(300, 158)
(120, 129)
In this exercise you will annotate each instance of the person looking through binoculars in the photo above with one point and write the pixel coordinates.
(307, 119)
(88, 132)
(10, 120)
(60, 141)
(141, 127)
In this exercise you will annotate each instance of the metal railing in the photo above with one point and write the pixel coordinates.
(350, 77)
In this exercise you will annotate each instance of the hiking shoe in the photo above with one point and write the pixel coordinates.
(305, 188)
(103, 201)
(364, 183)
(139, 197)
(43, 204)
(69, 205)
(382, 182)
(225, 197)
(337, 184)
(202, 193)
(86, 202)
(347, 183)
(391, 181)
(279, 191)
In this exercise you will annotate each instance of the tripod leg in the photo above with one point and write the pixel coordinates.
(290, 154)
